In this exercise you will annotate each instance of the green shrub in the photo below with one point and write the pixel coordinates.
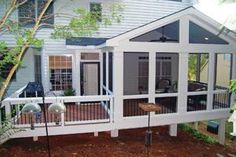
(69, 92)
(197, 134)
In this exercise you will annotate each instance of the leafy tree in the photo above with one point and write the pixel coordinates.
(82, 23)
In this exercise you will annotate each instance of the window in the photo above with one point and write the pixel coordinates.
(166, 33)
(199, 35)
(37, 68)
(60, 68)
(30, 10)
(96, 10)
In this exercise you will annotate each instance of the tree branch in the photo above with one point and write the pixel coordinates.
(8, 13)
(23, 49)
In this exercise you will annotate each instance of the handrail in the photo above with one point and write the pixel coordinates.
(18, 92)
(57, 99)
(106, 89)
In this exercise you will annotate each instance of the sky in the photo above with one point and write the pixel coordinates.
(219, 12)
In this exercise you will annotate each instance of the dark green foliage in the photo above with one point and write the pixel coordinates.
(69, 92)
(196, 134)
(232, 86)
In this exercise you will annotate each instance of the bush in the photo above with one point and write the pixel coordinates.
(69, 92)
(197, 134)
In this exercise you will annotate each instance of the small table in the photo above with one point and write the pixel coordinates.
(149, 107)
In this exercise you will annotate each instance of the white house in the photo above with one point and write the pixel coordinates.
(148, 57)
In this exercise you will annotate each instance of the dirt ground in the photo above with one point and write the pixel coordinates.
(130, 143)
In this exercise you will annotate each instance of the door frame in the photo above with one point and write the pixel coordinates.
(82, 75)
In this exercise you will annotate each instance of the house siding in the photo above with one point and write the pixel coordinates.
(136, 13)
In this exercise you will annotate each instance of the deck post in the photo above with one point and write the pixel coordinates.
(115, 133)
(95, 134)
(35, 138)
(221, 132)
(182, 83)
(196, 125)
(173, 130)
(211, 81)
(62, 119)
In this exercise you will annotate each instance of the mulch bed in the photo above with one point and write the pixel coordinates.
(130, 143)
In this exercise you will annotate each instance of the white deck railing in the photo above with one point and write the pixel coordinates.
(80, 110)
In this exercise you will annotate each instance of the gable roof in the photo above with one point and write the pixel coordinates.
(166, 19)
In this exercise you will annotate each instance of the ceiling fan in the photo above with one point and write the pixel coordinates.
(163, 38)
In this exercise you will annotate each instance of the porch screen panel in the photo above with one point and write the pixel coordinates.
(60, 68)
(167, 72)
(110, 67)
(223, 72)
(223, 68)
(104, 71)
(198, 66)
(136, 73)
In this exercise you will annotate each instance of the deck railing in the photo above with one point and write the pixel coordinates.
(79, 110)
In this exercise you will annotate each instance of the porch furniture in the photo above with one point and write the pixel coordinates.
(163, 86)
(149, 107)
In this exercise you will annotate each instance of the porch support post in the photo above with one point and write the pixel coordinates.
(35, 138)
(221, 132)
(196, 125)
(62, 119)
(115, 133)
(182, 83)
(211, 78)
(152, 77)
(95, 134)
(173, 130)
(118, 59)
(77, 72)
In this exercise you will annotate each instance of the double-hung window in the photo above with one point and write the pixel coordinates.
(29, 11)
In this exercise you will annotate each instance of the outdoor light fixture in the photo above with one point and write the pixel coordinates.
(31, 109)
(57, 109)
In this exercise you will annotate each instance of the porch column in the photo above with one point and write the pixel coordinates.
(221, 131)
(211, 80)
(76, 72)
(183, 83)
(152, 77)
(118, 61)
